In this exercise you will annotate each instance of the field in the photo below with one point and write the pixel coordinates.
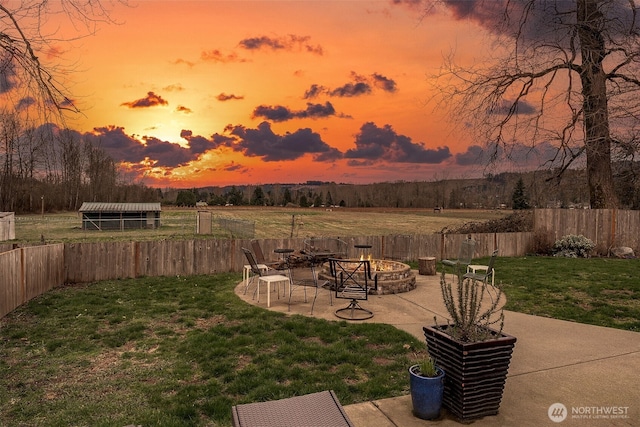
(262, 223)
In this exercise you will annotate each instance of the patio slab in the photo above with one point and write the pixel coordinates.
(591, 370)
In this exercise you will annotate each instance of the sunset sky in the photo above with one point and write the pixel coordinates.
(191, 94)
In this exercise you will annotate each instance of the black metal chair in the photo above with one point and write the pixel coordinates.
(352, 278)
(304, 278)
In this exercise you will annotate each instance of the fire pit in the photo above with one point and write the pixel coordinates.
(393, 277)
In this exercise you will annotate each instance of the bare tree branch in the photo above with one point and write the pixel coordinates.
(571, 66)
(25, 80)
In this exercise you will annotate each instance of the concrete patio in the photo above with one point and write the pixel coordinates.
(591, 370)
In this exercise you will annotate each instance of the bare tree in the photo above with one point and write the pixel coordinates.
(26, 79)
(564, 75)
(74, 164)
(10, 128)
(102, 174)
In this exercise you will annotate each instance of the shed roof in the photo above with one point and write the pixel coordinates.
(119, 207)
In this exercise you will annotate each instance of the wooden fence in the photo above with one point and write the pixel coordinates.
(30, 271)
(607, 228)
(27, 272)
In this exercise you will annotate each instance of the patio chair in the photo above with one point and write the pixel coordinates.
(264, 274)
(467, 249)
(304, 278)
(257, 250)
(325, 247)
(352, 279)
(486, 271)
(322, 409)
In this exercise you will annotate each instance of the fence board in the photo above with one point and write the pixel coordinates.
(210, 256)
(398, 247)
(44, 269)
(11, 291)
(627, 230)
(514, 244)
(166, 258)
(88, 262)
(6, 247)
(425, 245)
(607, 228)
(28, 272)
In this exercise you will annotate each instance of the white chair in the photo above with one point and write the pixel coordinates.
(248, 276)
(266, 276)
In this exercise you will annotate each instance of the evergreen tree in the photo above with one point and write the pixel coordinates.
(186, 198)
(329, 200)
(234, 196)
(519, 198)
(258, 197)
(286, 197)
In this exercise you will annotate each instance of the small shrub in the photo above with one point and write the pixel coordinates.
(470, 321)
(572, 246)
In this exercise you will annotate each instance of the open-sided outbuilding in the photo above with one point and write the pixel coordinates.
(119, 216)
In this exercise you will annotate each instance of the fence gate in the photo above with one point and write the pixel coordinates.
(204, 223)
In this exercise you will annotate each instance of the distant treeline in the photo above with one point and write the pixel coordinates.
(83, 172)
(45, 169)
(541, 189)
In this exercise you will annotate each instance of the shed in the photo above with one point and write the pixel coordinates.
(119, 216)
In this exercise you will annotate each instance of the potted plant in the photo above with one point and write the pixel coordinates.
(426, 383)
(471, 348)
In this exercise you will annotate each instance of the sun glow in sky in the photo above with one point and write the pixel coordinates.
(196, 93)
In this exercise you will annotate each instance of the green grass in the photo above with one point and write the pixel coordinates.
(180, 352)
(596, 291)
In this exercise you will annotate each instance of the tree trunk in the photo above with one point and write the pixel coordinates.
(596, 116)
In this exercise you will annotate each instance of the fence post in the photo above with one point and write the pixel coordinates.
(23, 278)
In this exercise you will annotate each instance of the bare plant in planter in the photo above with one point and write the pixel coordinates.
(471, 348)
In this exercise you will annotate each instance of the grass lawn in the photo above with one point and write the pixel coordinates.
(181, 351)
(597, 291)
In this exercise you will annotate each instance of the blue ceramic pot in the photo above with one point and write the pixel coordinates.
(426, 393)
